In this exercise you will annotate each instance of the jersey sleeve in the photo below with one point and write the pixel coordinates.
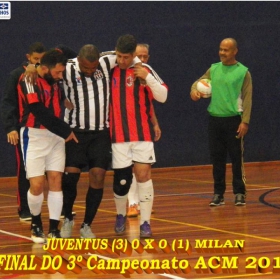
(155, 83)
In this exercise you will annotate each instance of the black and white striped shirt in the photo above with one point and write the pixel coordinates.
(89, 95)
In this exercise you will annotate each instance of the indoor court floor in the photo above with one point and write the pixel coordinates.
(184, 228)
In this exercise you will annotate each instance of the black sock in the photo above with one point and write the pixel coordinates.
(36, 220)
(69, 188)
(53, 225)
(93, 199)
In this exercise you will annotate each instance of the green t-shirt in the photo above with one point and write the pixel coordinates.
(226, 84)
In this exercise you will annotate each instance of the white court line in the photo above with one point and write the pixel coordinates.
(102, 257)
(17, 235)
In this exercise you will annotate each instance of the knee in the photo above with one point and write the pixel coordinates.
(143, 176)
(69, 183)
(122, 180)
(97, 177)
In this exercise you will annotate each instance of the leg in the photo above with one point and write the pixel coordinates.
(143, 157)
(218, 154)
(236, 148)
(23, 187)
(70, 180)
(133, 199)
(122, 182)
(99, 157)
(93, 200)
(146, 196)
(55, 201)
(35, 199)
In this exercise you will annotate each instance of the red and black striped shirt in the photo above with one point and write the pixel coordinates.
(41, 92)
(130, 108)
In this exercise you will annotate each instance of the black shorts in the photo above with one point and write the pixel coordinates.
(93, 150)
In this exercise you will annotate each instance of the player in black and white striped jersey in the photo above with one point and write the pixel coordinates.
(87, 87)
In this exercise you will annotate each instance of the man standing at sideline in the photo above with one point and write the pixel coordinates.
(132, 143)
(42, 137)
(229, 110)
(10, 118)
(142, 52)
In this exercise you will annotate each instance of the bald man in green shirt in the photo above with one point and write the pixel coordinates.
(229, 116)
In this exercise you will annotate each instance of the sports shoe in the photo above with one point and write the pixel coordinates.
(66, 228)
(145, 230)
(217, 200)
(120, 224)
(132, 211)
(55, 233)
(24, 215)
(62, 216)
(86, 232)
(37, 234)
(240, 199)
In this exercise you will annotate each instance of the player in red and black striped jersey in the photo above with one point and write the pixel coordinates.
(133, 87)
(42, 140)
(10, 118)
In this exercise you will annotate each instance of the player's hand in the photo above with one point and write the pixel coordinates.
(13, 137)
(30, 74)
(68, 104)
(242, 130)
(157, 132)
(140, 72)
(195, 95)
(72, 136)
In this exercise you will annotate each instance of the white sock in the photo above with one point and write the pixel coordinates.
(133, 192)
(146, 197)
(120, 202)
(35, 203)
(55, 202)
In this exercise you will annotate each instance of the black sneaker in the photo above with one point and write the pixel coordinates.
(24, 215)
(55, 233)
(217, 200)
(239, 199)
(37, 234)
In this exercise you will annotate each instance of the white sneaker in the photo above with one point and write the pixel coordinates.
(86, 232)
(66, 229)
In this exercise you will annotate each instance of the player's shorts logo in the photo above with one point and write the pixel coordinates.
(5, 10)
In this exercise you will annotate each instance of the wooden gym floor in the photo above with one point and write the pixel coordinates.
(181, 213)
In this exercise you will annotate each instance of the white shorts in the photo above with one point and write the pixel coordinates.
(42, 151)
(125, 154)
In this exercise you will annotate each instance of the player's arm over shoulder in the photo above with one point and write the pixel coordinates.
(156, 84)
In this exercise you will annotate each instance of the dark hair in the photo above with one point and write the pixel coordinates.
(126, 44)
(89, 52)
(53, 57)
(37, 47)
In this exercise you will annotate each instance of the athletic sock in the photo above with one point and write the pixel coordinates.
(120, 202)
(35, 203)
(146, 197)
(55, 201)
(69, 188)
(93, 200)
(133, 192)
(53, 225)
